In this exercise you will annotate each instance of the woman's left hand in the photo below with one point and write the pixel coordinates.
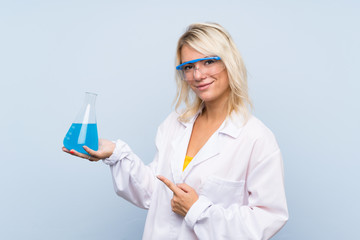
(184, 196)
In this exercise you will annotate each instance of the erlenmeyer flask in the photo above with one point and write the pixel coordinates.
(83, 131)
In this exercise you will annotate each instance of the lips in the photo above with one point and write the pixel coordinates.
(204, 86)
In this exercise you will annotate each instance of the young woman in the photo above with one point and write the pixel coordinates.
(218, 171)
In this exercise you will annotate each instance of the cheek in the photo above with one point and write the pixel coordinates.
(192, 86)
(223, 81)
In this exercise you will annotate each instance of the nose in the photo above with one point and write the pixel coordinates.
(198, 75)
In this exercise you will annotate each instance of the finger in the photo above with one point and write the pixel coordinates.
(169, 184)
(85, 156)
(65, 150)
(91, 152)
(76, 153)
(173, 205)
(183, 186)
(93, 159)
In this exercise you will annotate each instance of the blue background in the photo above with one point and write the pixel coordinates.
(303, 63)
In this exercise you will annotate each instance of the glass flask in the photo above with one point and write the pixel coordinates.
(83, 131)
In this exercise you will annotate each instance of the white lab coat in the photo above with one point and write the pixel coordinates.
(238, 175)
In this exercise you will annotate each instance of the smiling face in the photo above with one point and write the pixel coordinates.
(210, 89)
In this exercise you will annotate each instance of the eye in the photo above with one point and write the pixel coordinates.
(188, 67)
(210, 61)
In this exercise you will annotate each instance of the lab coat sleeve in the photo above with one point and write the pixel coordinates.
(133, 180)
(263, 216)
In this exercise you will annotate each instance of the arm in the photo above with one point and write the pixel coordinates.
(133, 180)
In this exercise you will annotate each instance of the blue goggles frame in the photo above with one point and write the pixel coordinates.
(179, 67)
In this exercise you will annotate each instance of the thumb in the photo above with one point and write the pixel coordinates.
(186, 188)
(91, 152)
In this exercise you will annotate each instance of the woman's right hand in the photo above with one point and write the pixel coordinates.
(106, 149)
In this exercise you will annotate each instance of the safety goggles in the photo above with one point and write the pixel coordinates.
(207, 67)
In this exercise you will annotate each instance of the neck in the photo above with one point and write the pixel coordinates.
(216, 111)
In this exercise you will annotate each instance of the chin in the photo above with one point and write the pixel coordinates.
(206, 98)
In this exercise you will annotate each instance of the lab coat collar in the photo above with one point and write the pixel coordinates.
(179, 146)
(190, 123)
(233, 125)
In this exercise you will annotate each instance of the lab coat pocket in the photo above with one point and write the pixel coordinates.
(222, 191)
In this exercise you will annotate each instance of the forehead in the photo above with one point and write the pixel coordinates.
(188, 54)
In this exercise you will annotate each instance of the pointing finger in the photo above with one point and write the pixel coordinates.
(169, 184)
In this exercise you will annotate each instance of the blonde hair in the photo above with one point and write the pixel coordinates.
(211, 39)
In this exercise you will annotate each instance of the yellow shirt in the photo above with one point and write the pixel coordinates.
(187, 161)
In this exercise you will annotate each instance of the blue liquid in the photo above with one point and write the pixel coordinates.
(80, 135)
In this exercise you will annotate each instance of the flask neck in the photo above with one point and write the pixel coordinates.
(90, 98)
(87, 114)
